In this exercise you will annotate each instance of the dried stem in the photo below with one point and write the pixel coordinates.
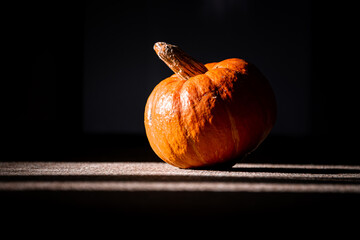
(178, 61)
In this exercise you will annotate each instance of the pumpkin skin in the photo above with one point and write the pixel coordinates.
(212, 118)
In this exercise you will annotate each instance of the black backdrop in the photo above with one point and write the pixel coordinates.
(84, 69)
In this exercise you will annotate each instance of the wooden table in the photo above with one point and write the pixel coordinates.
(159, 189)
(162, 177)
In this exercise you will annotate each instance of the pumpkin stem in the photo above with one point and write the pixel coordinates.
(177, 60)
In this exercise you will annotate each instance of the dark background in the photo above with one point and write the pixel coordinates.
(83, 71)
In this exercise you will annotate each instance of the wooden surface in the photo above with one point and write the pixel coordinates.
(157, 176)
(269, 184)
(249, 194)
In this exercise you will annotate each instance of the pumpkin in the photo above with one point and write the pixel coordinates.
(210, 115)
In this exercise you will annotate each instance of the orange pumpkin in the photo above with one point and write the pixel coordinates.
(208, 115)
